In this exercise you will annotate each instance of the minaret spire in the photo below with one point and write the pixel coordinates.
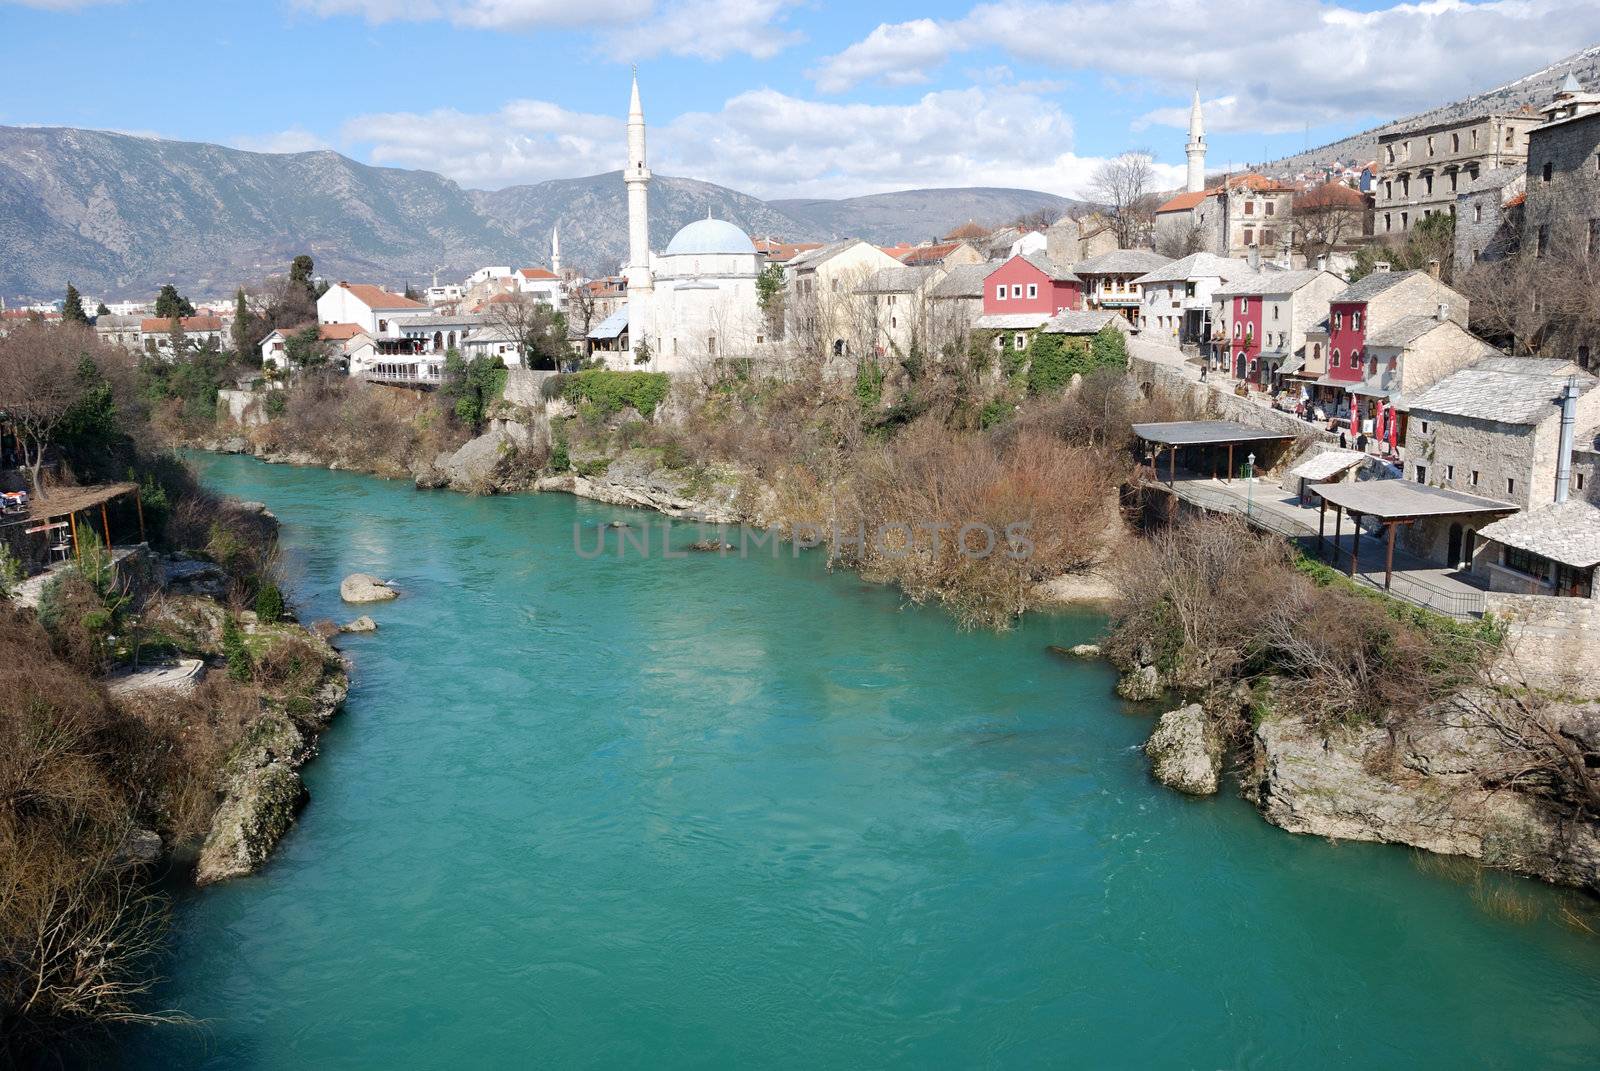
(555, 249)
(1196, 148)
(637, 180)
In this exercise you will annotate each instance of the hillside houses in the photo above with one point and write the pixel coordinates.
(1176, 297)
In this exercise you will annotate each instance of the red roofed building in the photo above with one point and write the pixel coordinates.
(156, 334)
(372, 308)
(1242, 213)
(776, 252)
(937, 254)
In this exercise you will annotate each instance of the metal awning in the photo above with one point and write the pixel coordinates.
(1403, 499)
(612, 326)
(1205, 433)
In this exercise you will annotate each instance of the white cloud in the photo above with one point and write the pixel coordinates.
(762, 142)
(709, 29)
(1283, 63)
(294, 139)
(892, 54)
(633, 29)
(485, 14)
(525, 141)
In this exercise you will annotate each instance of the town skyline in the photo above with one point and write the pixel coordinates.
(770, 98)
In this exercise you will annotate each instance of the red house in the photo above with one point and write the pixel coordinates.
(1031, 283)
(1245, 345)
(1347, 340)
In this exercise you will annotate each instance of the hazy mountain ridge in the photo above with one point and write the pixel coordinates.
(119, 215)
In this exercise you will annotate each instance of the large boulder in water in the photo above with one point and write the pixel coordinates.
(1185, 751)
(364, 587)
(259, 810)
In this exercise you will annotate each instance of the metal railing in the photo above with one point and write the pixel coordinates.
(1461, 603)
(421, 374)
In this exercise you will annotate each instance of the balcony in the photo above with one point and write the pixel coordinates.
(421, 374)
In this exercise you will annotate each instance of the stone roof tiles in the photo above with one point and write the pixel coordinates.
(1122, 262)
(1198, 266)
(1495, 390)
(1568, 533)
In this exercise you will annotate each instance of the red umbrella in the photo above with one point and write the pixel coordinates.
(1377, 420)
(1355, 415)
(1394, 429)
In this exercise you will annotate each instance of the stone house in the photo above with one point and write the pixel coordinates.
(155, 334)
(1493, 429)
(1562, 215)
(1109, 280)
(1552, 550)
(1176, 298)
(119, 331)
(1069, 241)
(1261, 323)
(956, 302)
(1370, 306)
(938, 254)
(1489, 216)
(1242, 213)
(1422, 169)
(897, 304)
(820, 296)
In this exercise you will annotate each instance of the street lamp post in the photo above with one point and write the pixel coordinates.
(1250, 485)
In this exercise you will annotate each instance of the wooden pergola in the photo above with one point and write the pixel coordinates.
(68, 502)
(1174, 435)
(1393, 503)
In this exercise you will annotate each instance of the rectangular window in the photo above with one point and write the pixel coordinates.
(1000, 292)
(1525, 562)
(1033, 290)
(1016, 290)
(1271, 207)
(1511, 486)
(1474, 477)
(1422, 474)
(1430, 144)
(1477, 213)
(1579, 477)
(1249, 208)
(1450, 472)
(1021, 341)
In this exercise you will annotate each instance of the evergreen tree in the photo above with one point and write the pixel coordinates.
(170, 304)
(72, 311)
(300, 271)
(411, 292)
(241, 325)
(101, 310)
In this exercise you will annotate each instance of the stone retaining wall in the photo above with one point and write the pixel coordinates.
(1226, 405)
(523, 387)
(1551, 642)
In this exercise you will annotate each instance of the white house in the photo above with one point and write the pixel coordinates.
(155, 335)
(371, 308)
(1175, 299)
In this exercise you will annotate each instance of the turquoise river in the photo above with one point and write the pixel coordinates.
(705, 812)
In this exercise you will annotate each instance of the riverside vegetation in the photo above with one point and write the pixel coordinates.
(106, 788)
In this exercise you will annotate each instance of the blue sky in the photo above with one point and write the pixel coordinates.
(773, 97)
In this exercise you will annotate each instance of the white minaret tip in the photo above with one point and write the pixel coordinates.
(1195, 150)
(635, 110)
(555, 249)
(1196, 123)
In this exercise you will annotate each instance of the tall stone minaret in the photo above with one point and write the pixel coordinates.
(1196, 149)
(637, 179)
(555, 249)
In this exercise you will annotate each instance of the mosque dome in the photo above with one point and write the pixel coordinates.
(705, 236)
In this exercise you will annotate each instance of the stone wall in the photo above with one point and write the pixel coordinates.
(241, 407)
(523, 387)
(1226, 405)
(1550, 641)
(1562, 209)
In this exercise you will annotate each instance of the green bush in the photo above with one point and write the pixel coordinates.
(234, 649)
(594, 467)
(277, 404)
(611, 392)
(269, 602)
(672, 455)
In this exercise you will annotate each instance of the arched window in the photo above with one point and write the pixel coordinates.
(1336, 358)
(1316, 351)
(1238, 329)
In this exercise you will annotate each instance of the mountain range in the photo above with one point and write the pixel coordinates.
(120, 215)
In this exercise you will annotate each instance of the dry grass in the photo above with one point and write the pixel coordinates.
(360, 425)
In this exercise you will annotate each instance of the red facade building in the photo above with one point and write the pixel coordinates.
(1031, 283)
(1347, 340)
(1245, 345)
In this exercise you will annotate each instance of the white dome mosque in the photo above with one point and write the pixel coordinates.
(696, 300)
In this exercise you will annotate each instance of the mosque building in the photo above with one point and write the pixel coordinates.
(695, 300)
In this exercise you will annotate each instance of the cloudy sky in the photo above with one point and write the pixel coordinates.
(773, 97)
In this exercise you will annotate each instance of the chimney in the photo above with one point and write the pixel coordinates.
(1433, 267)
(1322, 262)
(1382, 265)
(1569, 422)
(1442, 313)
(1255, 258)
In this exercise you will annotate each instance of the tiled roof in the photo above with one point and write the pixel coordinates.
(1076, 322)
(1186, 201)
(1496, 390)
(1372, 284)
(1267, 282)
(1405, 331)
(1198, 266)
(537, 273)
(926, 254)
(1327, 465)
(190, 323)
(901, 280)
(1011, 321)
(963, 281)
(376, 297)
(1568, 533)
(1051, 269)
(1122, 262)
(339, 332)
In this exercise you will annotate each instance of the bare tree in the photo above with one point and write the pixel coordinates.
(538, 331)
(582, 309)
(39, 386)
(1181, 239)
(1327, 217)
(1124, 184)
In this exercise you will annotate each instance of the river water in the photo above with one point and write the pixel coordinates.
(703, 812)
